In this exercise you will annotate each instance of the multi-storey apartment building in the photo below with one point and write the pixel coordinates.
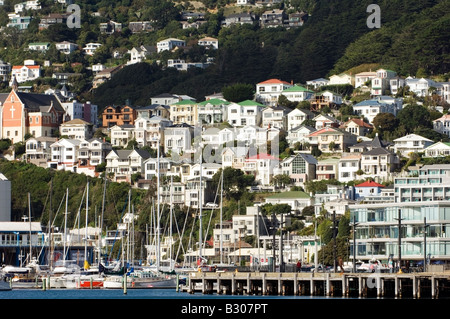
(421, 199)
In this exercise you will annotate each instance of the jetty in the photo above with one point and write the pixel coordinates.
(362, 285)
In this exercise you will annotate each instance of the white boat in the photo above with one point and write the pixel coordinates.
(114, 282)
(372, 266)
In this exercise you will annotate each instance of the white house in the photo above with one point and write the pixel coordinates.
(296, 117)
(178, 137)
(349, 164)
(209, 42)
(16, 21)
(343, 78)
(76, 129)
(421, 86)
(27, 72)
(5, 70)
(244, 113)
(299, 134)
(364, 77)
(357, 127)
(165, 99)
(367, 189)
(411, 143)
(275, 117)
(439, 149)
(323, 120)
(234, 157)
(297, 93)
(169, 44)
(268, 92)
(380, 83)
(90, 48)
(122, 164)
(66, 47)
(139, 54)
(212, 111)
(38, 46)
(149, 130)
(379, 163)
(91, 153)
(262, 167)
(38, 150)
(27, 5)
(442, 124)
(121, 134)
(252, 135)
(370, 108)
(151, 167)
(296, 199)
(64, 154)
(317, 83)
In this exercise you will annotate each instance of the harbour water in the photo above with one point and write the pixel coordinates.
(173, 304)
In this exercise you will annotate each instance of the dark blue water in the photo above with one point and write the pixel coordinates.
(130, 294)
(173, 304)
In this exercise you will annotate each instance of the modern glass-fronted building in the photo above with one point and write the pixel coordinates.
(422, 202)
(377, 230)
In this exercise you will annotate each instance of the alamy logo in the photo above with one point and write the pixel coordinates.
(74, 20)
(374, 20)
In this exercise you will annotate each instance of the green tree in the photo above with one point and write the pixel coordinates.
(238, 92)
(413, 116)
(235, 182)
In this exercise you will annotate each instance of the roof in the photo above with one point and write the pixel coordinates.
(369, 184)
(250, 103)
(185, 102)
(326, 130)
(274, 81)
(377, 151)
(15, 67)
(214, 102)
(289, 195)
(414, 137)
(297, 88)
(359, 122)
(34, 102)
(76, 121)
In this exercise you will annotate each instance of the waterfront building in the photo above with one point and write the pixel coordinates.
(422, 197)
(377, 231)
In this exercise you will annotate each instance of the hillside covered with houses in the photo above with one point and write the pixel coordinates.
(294, 108)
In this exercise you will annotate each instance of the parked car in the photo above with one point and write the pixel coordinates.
(212, 205)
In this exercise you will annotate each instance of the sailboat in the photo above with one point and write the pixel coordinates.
(68, 274)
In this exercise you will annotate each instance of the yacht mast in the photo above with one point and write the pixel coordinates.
(221, 217)
(158, 241)
(86, 230)
(29, 218)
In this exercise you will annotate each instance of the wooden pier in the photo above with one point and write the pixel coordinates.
(362, 285)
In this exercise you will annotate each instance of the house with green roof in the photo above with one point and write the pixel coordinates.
(212, 111)
(244, 113)
(296, 199)
(184, 111)
(297, 93)
(39, 46)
